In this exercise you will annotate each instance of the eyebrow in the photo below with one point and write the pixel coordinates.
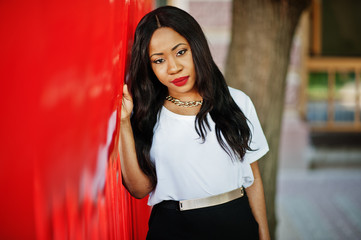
(173, 48)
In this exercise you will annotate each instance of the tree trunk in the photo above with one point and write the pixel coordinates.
(262, 32)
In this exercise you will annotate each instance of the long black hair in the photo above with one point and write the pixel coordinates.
(232, 131)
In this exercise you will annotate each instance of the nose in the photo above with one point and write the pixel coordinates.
(174, 66)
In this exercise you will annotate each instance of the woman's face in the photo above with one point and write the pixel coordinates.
(172, 62)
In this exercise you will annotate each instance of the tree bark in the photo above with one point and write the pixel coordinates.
(257, 63)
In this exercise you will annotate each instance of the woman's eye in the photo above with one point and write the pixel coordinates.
(158, 61)
(181, 52)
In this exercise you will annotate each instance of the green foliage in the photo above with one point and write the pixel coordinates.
(317, 89)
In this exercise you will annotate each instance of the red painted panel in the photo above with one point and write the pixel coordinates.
(62, 66)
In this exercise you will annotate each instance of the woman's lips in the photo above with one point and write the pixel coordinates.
(180, 81)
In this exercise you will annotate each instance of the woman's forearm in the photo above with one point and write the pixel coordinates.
(134, 179)
(257, 202)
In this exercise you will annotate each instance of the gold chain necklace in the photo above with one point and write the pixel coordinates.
(184, 104)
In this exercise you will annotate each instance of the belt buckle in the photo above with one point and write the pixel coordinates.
(180, 206)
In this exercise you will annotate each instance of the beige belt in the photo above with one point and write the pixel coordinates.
(211, 201)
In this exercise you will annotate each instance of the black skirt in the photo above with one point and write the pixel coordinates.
(232, 220)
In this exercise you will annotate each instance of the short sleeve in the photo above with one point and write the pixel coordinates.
(258, 142)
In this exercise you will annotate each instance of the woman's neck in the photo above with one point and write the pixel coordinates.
(192, 95)
(171, 106)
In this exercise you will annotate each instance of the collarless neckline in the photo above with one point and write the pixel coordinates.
(173, 114)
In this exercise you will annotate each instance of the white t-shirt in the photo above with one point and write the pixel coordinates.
(189, 168)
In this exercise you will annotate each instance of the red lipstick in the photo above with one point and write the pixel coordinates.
(180, 81)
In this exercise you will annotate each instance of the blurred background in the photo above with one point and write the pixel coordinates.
(62, 68)
(63, 64)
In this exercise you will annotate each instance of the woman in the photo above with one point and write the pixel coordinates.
(187, 139)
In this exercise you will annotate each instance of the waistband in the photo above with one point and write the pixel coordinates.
(203, 202)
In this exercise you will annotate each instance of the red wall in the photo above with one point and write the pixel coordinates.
(62, 65)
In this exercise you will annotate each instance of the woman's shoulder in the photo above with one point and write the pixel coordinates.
(236, 93)
(241, 99)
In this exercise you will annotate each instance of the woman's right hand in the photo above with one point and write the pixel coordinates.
(127, 104)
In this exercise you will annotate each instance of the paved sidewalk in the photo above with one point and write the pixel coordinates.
(319, 204)
(323, 203)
